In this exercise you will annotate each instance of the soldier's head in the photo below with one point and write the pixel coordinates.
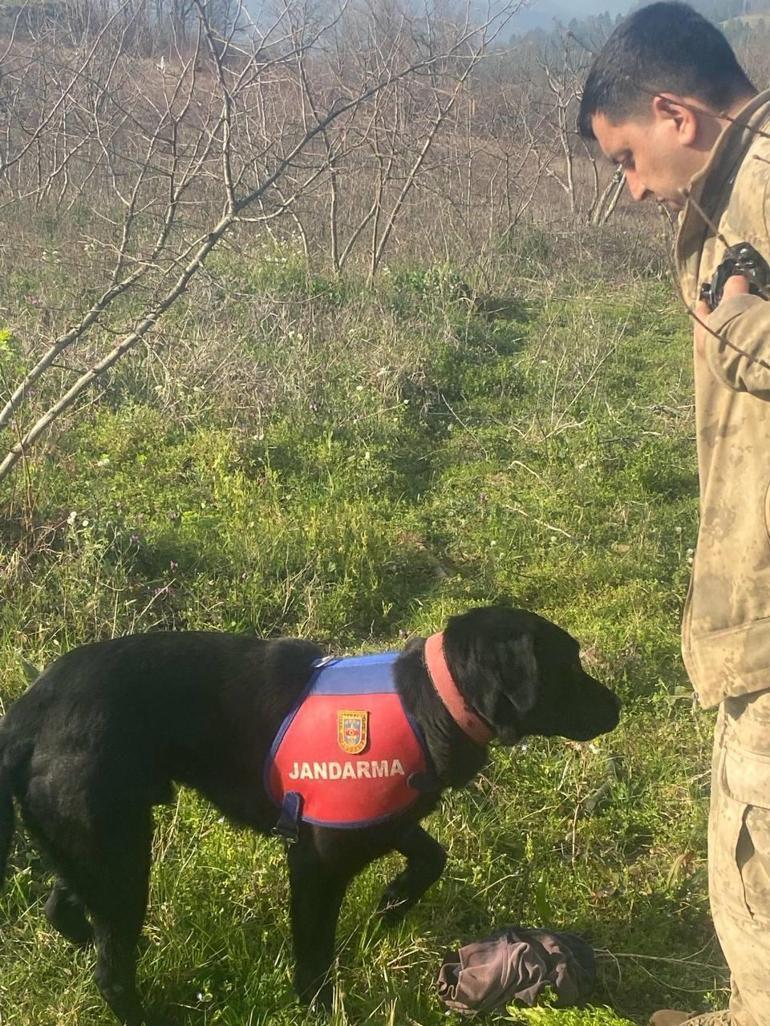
(655, 97)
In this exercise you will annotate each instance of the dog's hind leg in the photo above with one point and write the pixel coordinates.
(98, 839)
(116, 897)
(425, 861)
(115, 973)
(67, 914)
(107, 866)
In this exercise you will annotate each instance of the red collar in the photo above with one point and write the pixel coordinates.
(438, 670)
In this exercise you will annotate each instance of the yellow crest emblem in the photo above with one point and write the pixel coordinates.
(352, 730)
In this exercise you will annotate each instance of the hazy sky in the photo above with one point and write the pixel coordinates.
(542, 13)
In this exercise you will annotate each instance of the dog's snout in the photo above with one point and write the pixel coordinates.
(599, 711)
(613, 706)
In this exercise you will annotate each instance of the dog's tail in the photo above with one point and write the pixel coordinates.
(6, 817)
(15, 753)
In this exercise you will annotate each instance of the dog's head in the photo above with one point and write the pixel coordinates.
(523, 675)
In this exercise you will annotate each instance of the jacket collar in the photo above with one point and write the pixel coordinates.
(710, 187)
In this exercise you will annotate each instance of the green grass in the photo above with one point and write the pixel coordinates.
(354, 467)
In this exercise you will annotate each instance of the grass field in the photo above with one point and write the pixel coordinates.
(298, 455)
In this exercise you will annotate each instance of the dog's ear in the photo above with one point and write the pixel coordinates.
(518, 684)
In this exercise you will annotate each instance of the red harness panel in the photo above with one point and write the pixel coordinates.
(348, 750)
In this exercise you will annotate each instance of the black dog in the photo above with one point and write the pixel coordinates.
(109, 728)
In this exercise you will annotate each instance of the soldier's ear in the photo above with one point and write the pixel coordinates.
(682, 118)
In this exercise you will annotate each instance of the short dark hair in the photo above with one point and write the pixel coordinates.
(666, 47)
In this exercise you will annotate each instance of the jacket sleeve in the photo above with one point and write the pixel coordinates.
(738, 353)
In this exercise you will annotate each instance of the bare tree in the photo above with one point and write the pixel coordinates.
(170, 156)
(377, 157)
(551, 129)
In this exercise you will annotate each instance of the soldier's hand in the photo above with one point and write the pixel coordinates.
(737, 285)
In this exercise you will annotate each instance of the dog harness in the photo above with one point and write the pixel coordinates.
(348, 754)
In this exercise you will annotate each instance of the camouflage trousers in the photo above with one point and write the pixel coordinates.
(739, 852)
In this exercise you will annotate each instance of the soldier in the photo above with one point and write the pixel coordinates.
(667, 101)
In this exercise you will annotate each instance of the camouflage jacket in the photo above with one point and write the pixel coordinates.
(726, 630)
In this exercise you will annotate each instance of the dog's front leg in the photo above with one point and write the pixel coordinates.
(317, 890)
(425, 861)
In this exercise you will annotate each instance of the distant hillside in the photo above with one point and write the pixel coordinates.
(757, 18)
(544, 24)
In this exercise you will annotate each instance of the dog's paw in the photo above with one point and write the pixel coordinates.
(160, 1014)
(393, 906)
(320, 1006)
(70, 921)
(319, 1000)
